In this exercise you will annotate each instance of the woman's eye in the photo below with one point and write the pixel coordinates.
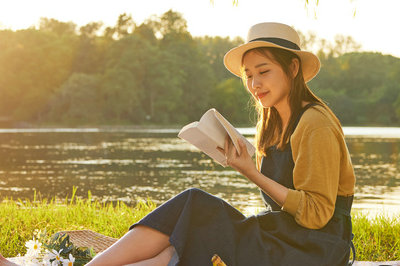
(263, 72)
(249, 77)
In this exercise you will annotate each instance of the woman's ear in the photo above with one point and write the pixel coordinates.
(294, 67)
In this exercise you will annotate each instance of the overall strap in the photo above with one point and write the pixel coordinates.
(343, 206)
(302, 112)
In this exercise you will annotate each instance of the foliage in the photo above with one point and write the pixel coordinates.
(233, 101)
(54, 250)
(157, 73)
(361, 88)
(62, 242)
(76, 100)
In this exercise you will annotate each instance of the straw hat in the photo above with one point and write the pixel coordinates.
(270, 34)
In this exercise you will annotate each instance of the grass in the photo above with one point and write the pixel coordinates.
(378, 238)
(19, 219)
(375, 239)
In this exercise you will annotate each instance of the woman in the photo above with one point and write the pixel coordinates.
(302, 168)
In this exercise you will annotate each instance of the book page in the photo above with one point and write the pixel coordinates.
(210, 132)
(194, 135)
(234, 134)
(211, 126)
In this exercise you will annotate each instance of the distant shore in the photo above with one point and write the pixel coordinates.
(354, 132)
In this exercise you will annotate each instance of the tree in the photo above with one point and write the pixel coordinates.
(397, 107)
(230, 97)
(76, 101)
(33, 64)
(173, 24)
(158, 73)
(188, 66)
(390, 97)
(146, 31)
(125, 25)
(90, 52)
(214, 49)
(120, 98)
(323, 48)
(361, 87)
(57, 27)
(122, 86)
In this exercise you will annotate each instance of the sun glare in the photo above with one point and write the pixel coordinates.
(223, 18)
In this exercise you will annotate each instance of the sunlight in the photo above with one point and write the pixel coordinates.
(222, 18)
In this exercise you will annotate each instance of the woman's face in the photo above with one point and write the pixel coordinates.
(266, 80)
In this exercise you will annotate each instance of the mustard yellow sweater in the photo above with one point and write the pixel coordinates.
(322, 170)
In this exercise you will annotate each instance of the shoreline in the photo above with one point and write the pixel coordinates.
(387, 133)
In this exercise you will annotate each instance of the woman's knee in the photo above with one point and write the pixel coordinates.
(163, 258)
(169, 251)
(194, 191)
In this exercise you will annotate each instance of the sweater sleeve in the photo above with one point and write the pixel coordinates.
(316, 154)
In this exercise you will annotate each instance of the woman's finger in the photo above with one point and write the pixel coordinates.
(221, 150)
(226, 148)
(243, 147)
(232, 149)
(240, 147)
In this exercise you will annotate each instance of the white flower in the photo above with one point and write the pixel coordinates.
(30, 261)
(56, 256)
(18, 260)
(46, 262)
(34, 248)
(47, 257)
(69, 262)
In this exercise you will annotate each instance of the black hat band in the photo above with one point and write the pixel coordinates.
(280, 42)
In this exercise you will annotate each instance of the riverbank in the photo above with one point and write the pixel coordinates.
(350, 132)
(376, 239)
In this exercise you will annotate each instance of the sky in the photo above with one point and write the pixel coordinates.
(373, 24)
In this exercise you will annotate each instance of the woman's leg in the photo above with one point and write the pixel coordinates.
(140, 243)
(161, 259)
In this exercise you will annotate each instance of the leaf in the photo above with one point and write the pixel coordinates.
(67, 249)
(55, 237)
(64, 242)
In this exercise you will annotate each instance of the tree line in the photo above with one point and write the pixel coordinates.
(157, 73)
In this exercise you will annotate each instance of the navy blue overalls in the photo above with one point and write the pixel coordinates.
(200, 225)
(278, 165)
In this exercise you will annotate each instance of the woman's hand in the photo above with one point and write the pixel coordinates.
(239, 160)
(242, 162)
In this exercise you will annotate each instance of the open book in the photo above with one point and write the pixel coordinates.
(210, 132)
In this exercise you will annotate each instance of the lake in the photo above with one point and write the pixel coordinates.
(126, 164)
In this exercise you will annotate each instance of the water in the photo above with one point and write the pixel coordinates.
(124, 164)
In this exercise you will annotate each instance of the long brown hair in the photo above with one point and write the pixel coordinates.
(269, 125)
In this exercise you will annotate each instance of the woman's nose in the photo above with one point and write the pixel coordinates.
(256, 83)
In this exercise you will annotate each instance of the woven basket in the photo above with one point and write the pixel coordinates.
(90, 239)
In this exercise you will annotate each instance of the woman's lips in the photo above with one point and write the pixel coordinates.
(261, 95)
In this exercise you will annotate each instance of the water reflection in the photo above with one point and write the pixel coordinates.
(376, 164)
(126, 165)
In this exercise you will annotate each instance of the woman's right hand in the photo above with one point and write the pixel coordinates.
(239, 160)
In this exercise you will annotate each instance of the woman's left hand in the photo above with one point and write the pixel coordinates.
(239, 160)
